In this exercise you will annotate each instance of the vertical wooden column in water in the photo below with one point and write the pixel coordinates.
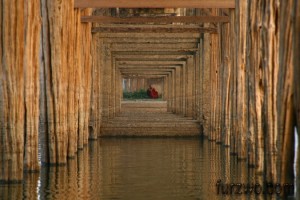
(241, 24)
(206, 102)
(11, 90)
(255, 92)
(225, 85)
(96, 92)
(296, 75)
(189, 86)
(214, 65)
(177, 89)
(106, 81)
(71, 31)
(284, 94)
(85, 70)
(62, 81)
(270, 80)
(233, 83)
(31, 81)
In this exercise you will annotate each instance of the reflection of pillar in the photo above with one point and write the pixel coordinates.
(13, 191)
(31, 183)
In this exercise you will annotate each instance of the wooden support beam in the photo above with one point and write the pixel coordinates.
(143, 76)
(157, 20)
(148, 35)
(150, 40)
(153, 29)
(154, 63)
(154, 4)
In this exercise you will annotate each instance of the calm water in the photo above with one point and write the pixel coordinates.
(139, 168)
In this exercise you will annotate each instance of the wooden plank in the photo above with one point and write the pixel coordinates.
(153, 29)
(157, 20)
(154, 4)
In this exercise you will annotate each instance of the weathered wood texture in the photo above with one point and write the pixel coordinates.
(96, 93)
(155, 4)
(240, 56)
(206, 101)
(19, 88)
(67, 70)
(11, 89)
(284, 143)
(31, 81)
(225, 83)
(264, 79)
(296, 75)
(86, 79)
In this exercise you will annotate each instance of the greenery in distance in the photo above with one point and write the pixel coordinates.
(141, 94)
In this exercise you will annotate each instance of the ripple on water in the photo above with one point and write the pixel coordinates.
(137, 168)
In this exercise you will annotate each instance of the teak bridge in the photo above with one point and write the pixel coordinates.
(230, 70)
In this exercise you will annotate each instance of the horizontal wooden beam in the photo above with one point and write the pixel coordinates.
(177, 29)
(154, 3)
(148, 35)
(144, 76)
(156, 20)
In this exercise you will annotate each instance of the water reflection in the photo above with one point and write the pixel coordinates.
(139, 168)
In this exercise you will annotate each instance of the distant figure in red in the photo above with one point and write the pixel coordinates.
(152, 93)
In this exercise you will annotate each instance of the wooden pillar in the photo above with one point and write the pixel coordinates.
(56, 78)
(285, 142)
(198, 85)
(73, 31)
(113, 89)
(86, 71)
(165, 93)
(106, 81)
(177, 89)
(241, 25)
(96, 85)
(225, 85)
(296, 75)
(214, 64)
(206, 102)
(270, 55)
(189, 86)
(183, 88)
(233, 81)
(32, 84)
(11, 91)
(173, 75)
(254, 102)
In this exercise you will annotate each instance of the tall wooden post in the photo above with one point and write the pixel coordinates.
(241, 25)
(11, 90)
(296, 75)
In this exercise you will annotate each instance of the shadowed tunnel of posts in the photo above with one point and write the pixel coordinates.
(231, 67)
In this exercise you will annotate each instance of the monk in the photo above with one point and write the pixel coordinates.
(152, 93)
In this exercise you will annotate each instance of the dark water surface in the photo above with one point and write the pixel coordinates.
(139, 168)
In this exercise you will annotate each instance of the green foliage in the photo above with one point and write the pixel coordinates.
(141, 94)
